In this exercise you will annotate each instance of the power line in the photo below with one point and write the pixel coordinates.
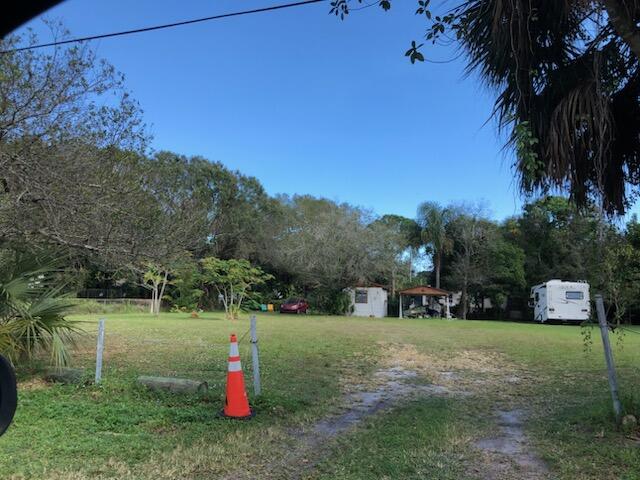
(354, 9)
(167, 25)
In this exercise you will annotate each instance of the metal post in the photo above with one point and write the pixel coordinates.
(608, 355)
(99, 351)
(400, 305)
(254, 357)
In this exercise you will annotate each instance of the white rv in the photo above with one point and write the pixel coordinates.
(556, 300)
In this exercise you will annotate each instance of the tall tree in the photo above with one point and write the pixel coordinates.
(567, 79)
(470, 264)
(433, 219)
(560, 240)
(407, 238)
(322, 244)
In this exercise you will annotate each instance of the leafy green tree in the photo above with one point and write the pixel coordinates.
(505, 269)
(156, 279)
(232, 280)
(620, 272)
(186, 292)
(560, 240)
(410, 240)
(433, 219)
(470, 261)
(322, 244)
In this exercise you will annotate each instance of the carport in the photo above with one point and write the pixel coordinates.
(424, 291)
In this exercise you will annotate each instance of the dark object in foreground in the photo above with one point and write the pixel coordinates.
(294, 305)
(8, 394)
(22, 12)
(174, 385)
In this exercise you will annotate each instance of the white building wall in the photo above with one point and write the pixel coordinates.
(376, 305)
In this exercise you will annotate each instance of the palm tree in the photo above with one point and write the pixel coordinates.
(567, 76)
(32, 309)
(433, 220)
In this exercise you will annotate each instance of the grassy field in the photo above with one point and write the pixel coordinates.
(309, 364)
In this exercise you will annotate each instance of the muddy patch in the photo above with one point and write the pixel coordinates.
(385, 389)
(508, 454)
(34, 383)
(394, 384)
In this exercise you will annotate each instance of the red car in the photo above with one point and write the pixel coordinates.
(294, 305)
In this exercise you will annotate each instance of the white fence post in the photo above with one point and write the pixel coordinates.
(608, 355)
(255, 357)
(99, 351)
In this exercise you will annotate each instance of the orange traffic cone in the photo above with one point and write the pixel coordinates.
(236, 405)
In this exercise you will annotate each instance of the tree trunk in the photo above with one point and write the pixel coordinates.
(158, 302)
(621, 20)
(437, 260)
(154, 293)
(393, 283)
(463, 302)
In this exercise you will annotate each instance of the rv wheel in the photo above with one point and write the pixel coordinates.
(8, 394)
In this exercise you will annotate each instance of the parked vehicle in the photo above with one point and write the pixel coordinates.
(294, 305)
(556, 300)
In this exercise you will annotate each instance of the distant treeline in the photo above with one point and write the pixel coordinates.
(78, 183)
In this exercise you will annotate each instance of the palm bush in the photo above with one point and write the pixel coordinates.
(32, 309)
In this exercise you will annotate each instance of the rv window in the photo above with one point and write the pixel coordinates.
(361, 296)
(574, 296)
(537, 296)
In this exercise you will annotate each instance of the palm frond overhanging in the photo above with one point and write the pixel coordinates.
(32, 309)
(568, 90)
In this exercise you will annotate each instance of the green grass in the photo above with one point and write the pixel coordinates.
(118, 430)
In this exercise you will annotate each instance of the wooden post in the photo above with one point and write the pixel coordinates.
(608, 355)
(255, 359)
(99, 351)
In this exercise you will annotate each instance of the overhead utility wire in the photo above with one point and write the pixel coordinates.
(168, 25)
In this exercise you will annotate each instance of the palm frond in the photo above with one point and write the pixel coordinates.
(559, 68)
(33, 309)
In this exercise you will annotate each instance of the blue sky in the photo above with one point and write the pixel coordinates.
(308, 103)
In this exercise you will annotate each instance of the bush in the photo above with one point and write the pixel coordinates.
(89, 306)
(330, 301)
(32, 309)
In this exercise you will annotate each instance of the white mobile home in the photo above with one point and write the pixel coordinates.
(560, 301)
(369, 301)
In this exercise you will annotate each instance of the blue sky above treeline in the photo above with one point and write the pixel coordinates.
(307, 103)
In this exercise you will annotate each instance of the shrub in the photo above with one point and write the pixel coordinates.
(329, 301)
(92, 307)
(32, 309)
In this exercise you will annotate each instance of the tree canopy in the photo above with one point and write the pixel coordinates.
(567, 84)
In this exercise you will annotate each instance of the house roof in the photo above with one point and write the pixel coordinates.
(427, 290)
